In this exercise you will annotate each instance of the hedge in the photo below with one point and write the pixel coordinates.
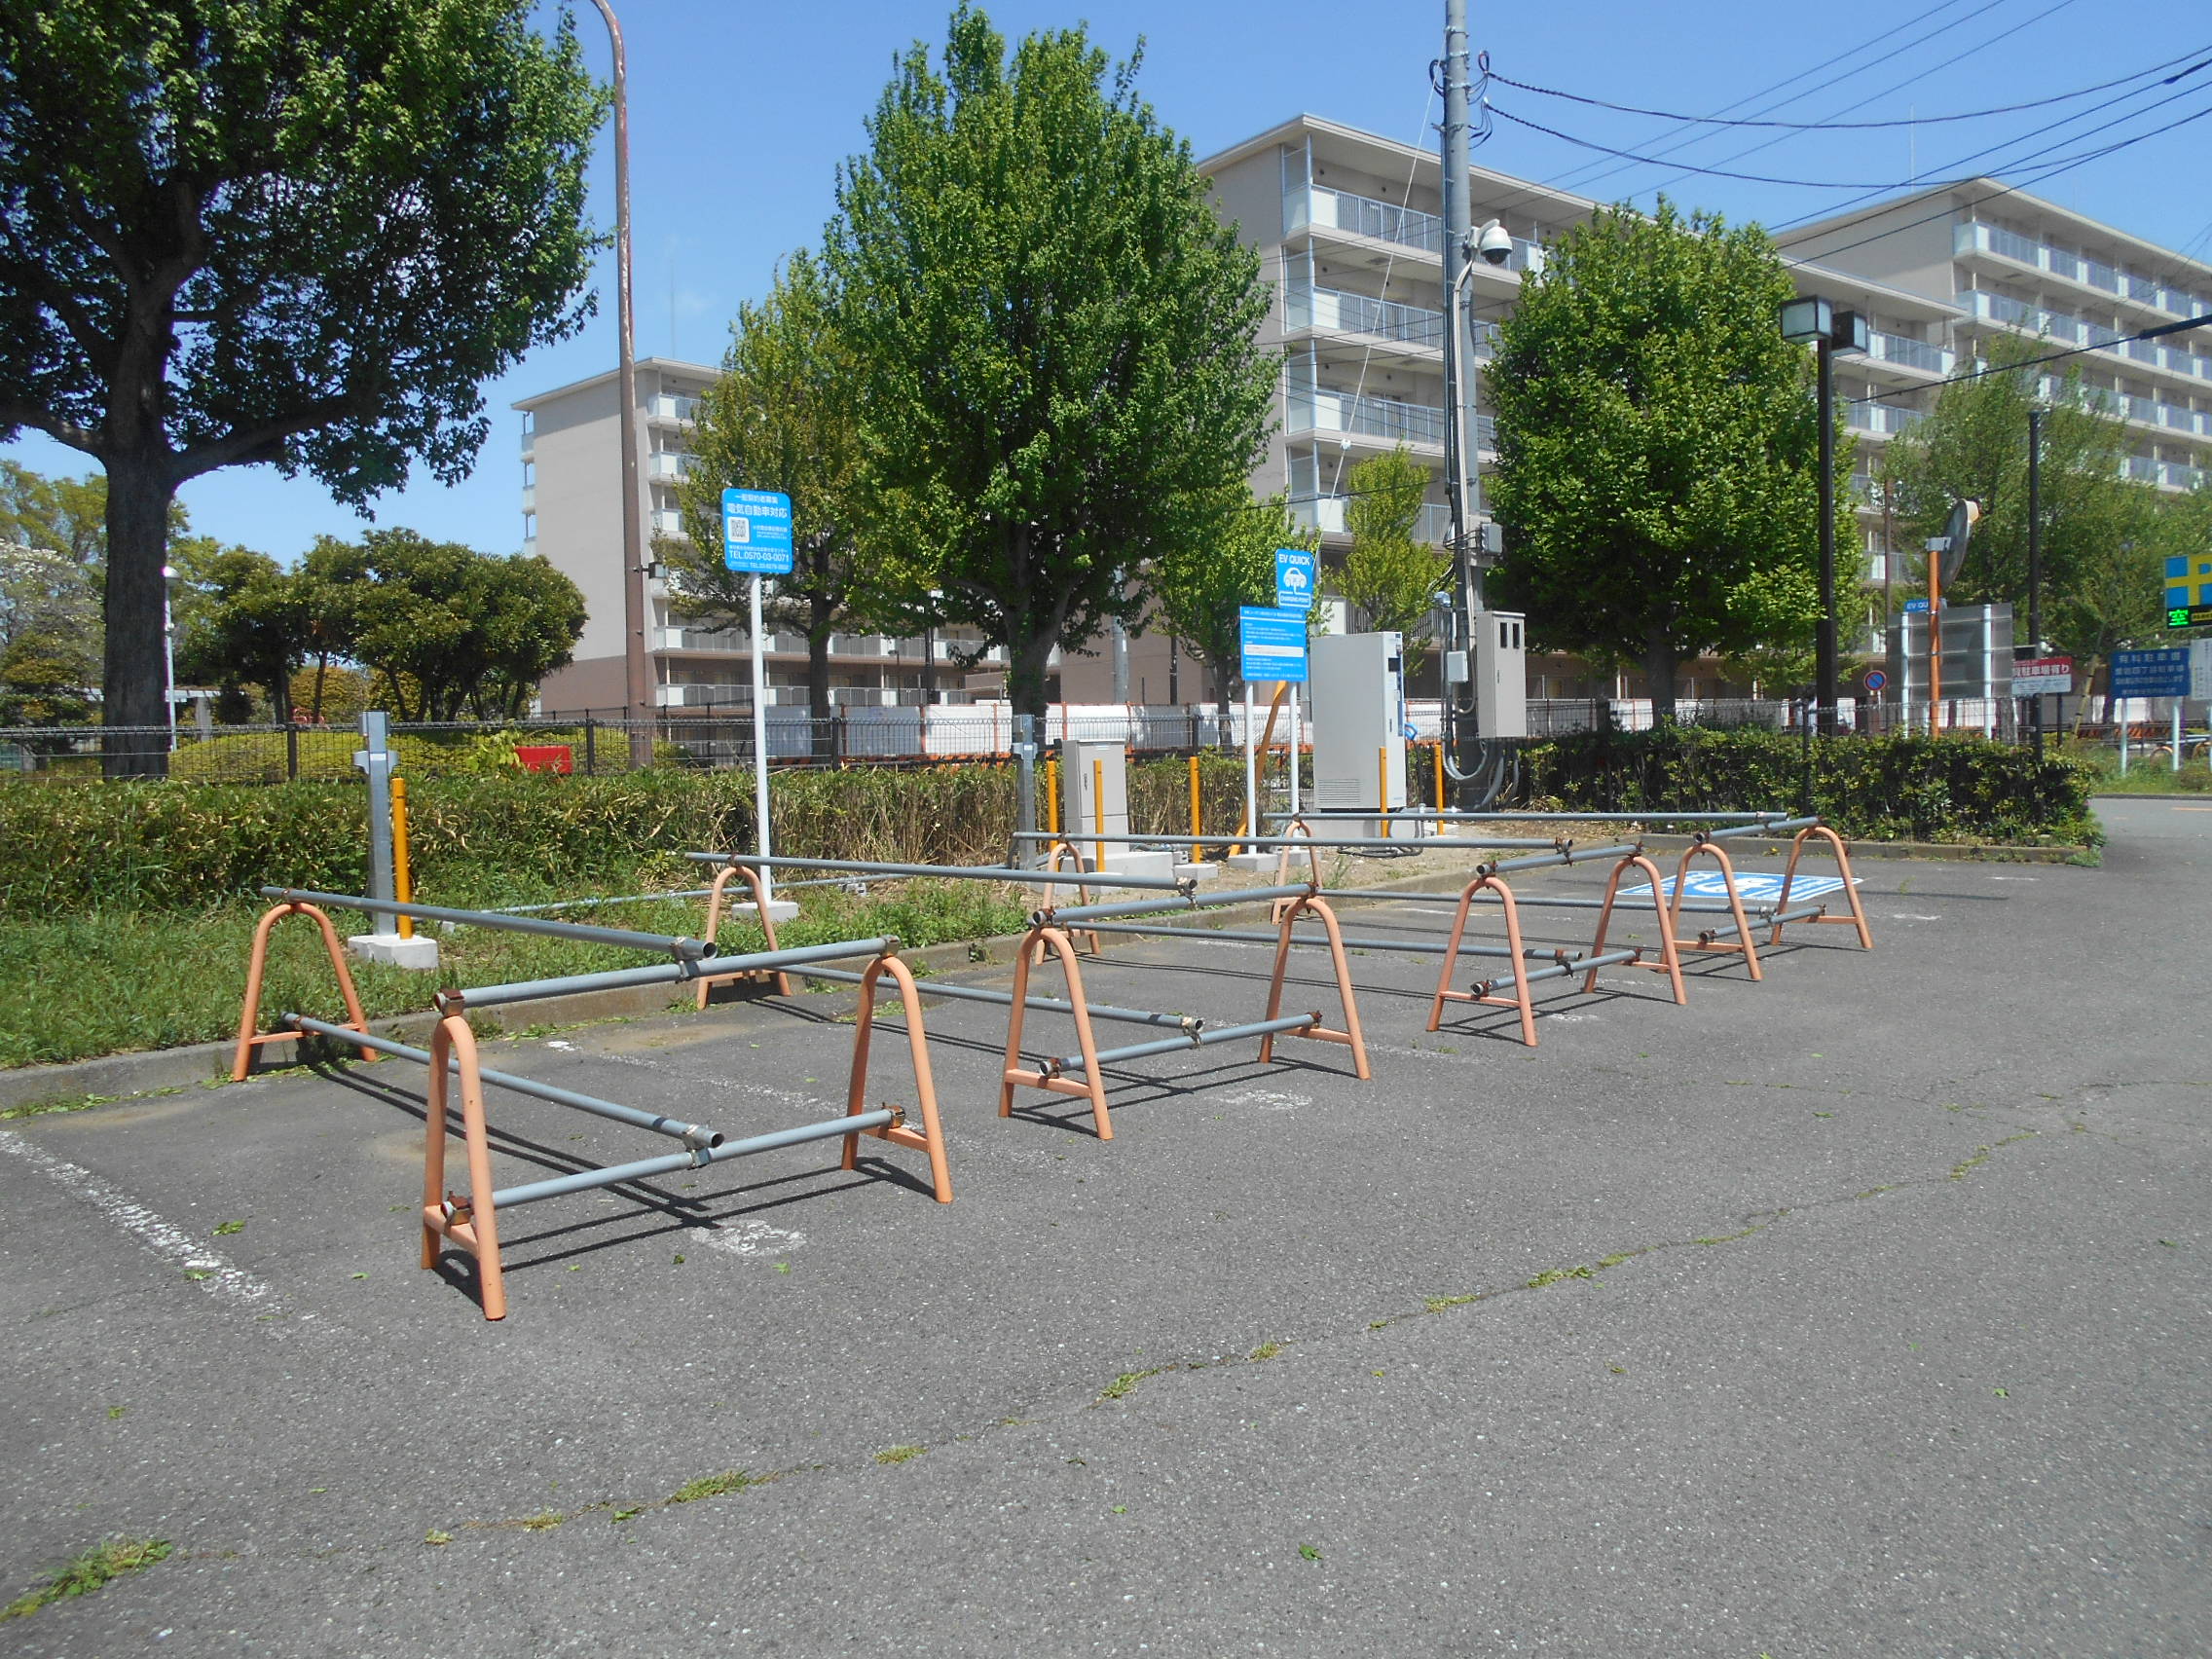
(1882, 788)
(160, 846)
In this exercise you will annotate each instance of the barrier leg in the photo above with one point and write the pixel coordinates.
(1858, 916)
(1670, 961)
(1092, 1088)
(761, 910)
(473, 1222)
(1350, 1034)
(1705, 941)
(257, 965)
(1481, 992)
(931, 1137)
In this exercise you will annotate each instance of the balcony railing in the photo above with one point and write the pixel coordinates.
(669, 464)
(1328, 515)
(530, 498)
(1882, 418)
(665, 521)
(1370, 417)
(669, 406)
(1307, 306)
(1912, 353)
(1362, 215)
(1972, 236)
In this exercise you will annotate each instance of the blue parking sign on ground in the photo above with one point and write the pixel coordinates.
(757, 532)
(1273, 643)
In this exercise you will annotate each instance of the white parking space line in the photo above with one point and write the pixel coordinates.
(205, 1267)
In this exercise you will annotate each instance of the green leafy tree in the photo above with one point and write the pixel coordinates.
(270, 231)
(2114, 596)
(1201, 586)
(1974, 446)
(782, 416)
(1657, 443)
(1055, 338)
(68, 515)
(443, 627)
(249, 627)
(1388, 574)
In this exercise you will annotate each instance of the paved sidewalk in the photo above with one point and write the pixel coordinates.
(1856, 1312)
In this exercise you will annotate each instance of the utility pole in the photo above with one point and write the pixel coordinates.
(1458, 357)
(2035, 563)
(1824, 638)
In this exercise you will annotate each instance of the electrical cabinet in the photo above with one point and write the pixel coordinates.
(1094, 792)
(1358, 687)
(1502, 674)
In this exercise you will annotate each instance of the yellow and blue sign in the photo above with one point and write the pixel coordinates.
(2189, 590)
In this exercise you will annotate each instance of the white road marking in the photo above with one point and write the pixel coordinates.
(753, 1238)
(1902, 916)
(208, 1267)
(1266, 1100)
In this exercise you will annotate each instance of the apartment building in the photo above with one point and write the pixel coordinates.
(2006, 261)
(571, 503)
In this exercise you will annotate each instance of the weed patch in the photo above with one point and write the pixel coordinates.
(98, 1566)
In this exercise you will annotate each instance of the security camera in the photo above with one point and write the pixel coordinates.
(1493, 244)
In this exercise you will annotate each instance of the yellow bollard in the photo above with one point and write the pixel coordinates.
(1382, 787)
(1052, 796)
(402, 876)
(1098, 811)
(1440, 775)
(1197, 852)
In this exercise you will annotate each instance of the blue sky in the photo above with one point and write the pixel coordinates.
(741, 112)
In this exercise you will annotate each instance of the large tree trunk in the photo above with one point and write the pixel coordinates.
(1221, 680)
(1028, 662)
(134, 675)
(818, 710)
(1659, 660)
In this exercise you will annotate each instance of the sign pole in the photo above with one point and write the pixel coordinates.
(1251, 773)
(2177, 735)
(760, 744)
(1294, 749)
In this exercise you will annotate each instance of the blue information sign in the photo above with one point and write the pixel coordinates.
(2149, 674)
(1274, 643)
(1294, 578)
(757, 532)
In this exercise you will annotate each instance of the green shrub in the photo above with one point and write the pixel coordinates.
(1906, 788)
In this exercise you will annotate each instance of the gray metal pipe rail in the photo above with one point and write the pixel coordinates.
(1081, 916)
(1269, 843)
(1533, 952)
(684, 949)
(1563, 857)
(1584, 965)
(697, 1135)
(1548, 900)
(1004, 998)
(1775, 828)
(1429, 815)
(1799, 913)
(951, 873)
(584, 1180)
(618, 978)
(648, 898)
(1064, 1064)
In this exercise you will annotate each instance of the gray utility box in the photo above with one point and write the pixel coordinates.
(1502, 674)
(1978, 653)
(1095, 797)
(1358, 687)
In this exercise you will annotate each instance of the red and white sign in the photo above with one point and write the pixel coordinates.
(2037, 677)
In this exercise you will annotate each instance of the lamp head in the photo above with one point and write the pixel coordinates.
(1807, 319)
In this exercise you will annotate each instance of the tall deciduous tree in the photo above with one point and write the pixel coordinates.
(1389, 574)
(1657, 442)
(782, 416)
(1201, 586)
(1055, 335)
(249, 627)
(280, 231)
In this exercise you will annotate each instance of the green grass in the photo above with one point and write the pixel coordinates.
(712, 1486)
(77, 987)
(106, 1561)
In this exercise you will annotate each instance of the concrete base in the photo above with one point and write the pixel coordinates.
(1153, 867)
(1251, 861)
(1196, 871)
(780, 911)
(419, 953)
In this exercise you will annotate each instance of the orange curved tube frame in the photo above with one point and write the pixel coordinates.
(1858, 916)
(1670, 961)
(471, 1222)
(715, 901)
(1283, 856)
(931, 1136)
(1705, 941)
(257, 965)
(1044, 937)
(1058, 852)
(1481, 993)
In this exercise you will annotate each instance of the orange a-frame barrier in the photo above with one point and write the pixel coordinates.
(1564, 962)
(470, 1220)
(1703, 848)
(715, 901)
(1051, 1076)
(257, 968)
(1858, 916)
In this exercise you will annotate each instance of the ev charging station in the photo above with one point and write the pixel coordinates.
(1359, 723)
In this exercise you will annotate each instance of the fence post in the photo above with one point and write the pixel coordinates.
(292, 751)
(591, 746)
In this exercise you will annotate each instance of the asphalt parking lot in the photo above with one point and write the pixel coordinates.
(1856, 1312)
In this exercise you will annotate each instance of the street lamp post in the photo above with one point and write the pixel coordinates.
(1811, 321)
(168, 651)
(634, 682)
(2035, 563)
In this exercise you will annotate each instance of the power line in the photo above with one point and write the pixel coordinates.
(1684, 169)
(1845, 125)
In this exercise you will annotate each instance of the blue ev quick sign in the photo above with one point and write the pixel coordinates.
(1294, 578)
(757, 532)
(1753, 887)
(1273, 643)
